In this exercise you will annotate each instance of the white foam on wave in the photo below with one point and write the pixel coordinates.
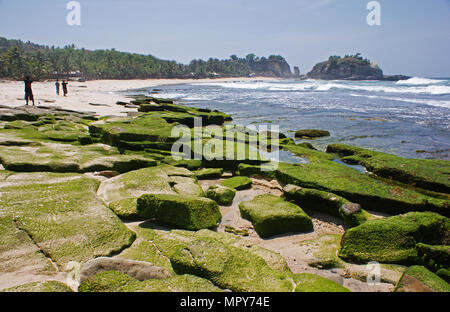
(415, 81)
(437, 103)
(434, 90)
(336, 85)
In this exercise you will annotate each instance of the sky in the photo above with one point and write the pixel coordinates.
(413, 38)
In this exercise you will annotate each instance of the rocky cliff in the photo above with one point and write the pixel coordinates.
(347, 68)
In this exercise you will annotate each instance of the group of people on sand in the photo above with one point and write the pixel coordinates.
(29, 92)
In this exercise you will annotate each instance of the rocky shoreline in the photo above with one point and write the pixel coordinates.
(88, 192)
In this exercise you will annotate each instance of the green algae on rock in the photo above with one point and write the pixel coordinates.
(328, 203)
(311, 134)
(271, 215)
(306, 282)
(428, 174)
(113, 281)
(434, 258)
(121, 192)
(40, 287)
(17, 249)
(322, 173)
(62, 216)
(225, 259)
(419, 279)
(191, 213)
(221, 194)
(57, 157)
(394, 239)
(186, 186)
(238, 183)
(209, 173)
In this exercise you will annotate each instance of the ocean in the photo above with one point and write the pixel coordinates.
(409, 118)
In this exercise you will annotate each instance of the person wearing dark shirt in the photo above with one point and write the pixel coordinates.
(57, 84)
(28, 91)
(64, 86)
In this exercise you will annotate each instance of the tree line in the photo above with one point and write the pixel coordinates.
(18, 59)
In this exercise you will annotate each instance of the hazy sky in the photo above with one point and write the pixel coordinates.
(413, 39)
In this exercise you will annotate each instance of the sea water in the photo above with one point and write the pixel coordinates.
(409, 118)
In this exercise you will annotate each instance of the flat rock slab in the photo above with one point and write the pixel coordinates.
(62, 216)
(140, 270)
(121, 192)
(271, 215)
(57, 157)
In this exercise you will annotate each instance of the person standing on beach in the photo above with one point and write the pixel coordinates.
(57, 84)
(64, 86)
(28, 90)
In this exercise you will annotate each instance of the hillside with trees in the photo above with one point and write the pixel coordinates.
(43, 62)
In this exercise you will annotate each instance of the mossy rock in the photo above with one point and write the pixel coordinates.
(209, 173)
(311, 133)
(419, 279)
(328, 203)
(271, 215)
(221, 194)
(125, 208)
(189, 213)
(121, 192)
(144, 250)
(17, 249)
(434, 258)
(186, 186)
(238, 183)
(225, 259)
(191, 164)
(306, 282)
(394, 239)
(430, 174)
(444, 274)
(57, 157)
(322, 173)
(63, 216)
(113, 281)
(40, 287)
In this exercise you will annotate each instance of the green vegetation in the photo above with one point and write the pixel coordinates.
(322, 173)
(271, 215)
(314, 283)
(434, 258)
(328, 203)
(17, 58)
(209, 173)
(221, 194)
(419, 279)
(238, 183)
(120, 193)
(50, 286)
(191, 213)
(394, 239)
(429, 174)
(311, 134)
(62, 215)
(113, 281)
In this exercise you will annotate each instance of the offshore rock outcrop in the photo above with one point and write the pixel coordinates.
(350, 67)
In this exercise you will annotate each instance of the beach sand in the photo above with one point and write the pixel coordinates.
(101, 93)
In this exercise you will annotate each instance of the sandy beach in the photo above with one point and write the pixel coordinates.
(82, 95)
